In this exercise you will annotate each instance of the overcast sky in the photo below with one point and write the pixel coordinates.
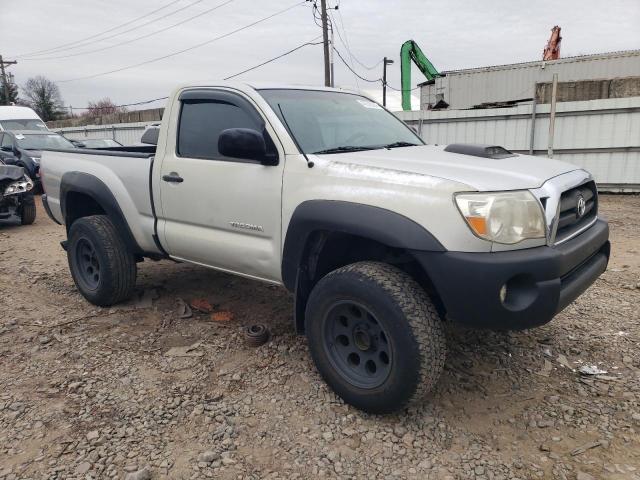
(453, 34)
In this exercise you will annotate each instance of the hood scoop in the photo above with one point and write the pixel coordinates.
(478, 150)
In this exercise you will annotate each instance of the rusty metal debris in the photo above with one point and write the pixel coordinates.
(256, 335)
(201, 305)
(222, 316)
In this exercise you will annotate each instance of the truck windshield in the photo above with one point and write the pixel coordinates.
(333, 122)
(42, 141)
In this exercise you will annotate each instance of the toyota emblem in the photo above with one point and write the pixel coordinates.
(581, 206)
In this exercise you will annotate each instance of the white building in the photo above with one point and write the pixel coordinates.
(462, 89)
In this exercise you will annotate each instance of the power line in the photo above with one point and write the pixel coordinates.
(312, 42)
(346, 45)
(353, 71)
(193, 47)
(60, 47)
(117, 34)
(137, 38)
(288, 52)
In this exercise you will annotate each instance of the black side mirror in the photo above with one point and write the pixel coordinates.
(245, 143)
(7, 148)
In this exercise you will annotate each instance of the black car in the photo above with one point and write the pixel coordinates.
(23, 148)
(96, 143)
(16, 194)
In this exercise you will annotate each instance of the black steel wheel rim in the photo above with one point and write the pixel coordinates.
(88, 265)
(357, 345)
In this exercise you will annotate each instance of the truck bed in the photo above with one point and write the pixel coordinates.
(126, 172)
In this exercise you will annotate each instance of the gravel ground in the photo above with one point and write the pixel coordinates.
(101, 393)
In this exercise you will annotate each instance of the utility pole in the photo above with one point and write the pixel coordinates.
(5, 82)
(385, 62)
(325, 41)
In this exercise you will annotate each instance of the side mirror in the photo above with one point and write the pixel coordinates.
(7, 148)
(245, 143)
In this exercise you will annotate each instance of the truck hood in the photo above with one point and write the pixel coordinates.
(483, 174)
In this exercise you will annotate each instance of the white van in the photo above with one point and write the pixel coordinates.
(20, 118)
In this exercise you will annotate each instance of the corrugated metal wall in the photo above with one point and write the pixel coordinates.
(602, 136)
(466, 88)
(125, 133)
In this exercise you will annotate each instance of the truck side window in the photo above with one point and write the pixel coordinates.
(201, 122)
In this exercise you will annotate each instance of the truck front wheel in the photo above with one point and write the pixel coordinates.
(102, 266)
(375, 336)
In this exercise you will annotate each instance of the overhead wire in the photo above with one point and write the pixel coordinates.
(288, 52)
(193, 17)
(193, 47)
(62, 46)
(137, 27)
(347, 46)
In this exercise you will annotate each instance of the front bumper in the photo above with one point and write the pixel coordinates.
(540, 281)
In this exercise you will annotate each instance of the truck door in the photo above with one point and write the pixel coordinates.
(214, 210)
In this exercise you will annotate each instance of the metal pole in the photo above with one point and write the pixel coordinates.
(384, 82)
(4, 82)
(333, 81)
(533, 121)
(552, 115)
(325, 41)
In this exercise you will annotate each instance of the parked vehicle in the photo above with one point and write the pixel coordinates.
(24, 148)
(20, 118)
(379, 236)
(16, 196)
(95, 143)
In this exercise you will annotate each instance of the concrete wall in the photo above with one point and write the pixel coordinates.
(149, 115)
(602, 136)
(590, 90)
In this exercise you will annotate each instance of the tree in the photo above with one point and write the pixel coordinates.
(44, 97)
(103, 107)
(13, 93)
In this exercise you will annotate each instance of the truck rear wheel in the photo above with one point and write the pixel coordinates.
(375, 336)
(28, 210)
(102, 266)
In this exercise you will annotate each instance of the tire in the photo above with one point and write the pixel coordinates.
(28, 210)
(102, 266)
(397, 337)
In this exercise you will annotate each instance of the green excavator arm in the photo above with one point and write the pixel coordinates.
(410, 51)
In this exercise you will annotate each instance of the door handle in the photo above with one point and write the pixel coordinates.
(173, 177)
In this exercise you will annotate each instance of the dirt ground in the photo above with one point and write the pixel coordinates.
(87, 392)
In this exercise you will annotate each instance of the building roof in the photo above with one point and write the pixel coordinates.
(577, 58)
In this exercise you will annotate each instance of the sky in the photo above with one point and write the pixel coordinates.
(67, 40)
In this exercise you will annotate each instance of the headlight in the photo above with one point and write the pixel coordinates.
(506, 217)
(21, 186)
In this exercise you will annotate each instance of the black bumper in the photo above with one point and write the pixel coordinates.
(540, 281)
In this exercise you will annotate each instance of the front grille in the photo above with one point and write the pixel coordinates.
(570, 217)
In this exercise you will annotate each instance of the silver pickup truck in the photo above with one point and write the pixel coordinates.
(379, 236)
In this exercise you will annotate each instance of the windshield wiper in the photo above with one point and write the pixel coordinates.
(400, 144)
(347, 148)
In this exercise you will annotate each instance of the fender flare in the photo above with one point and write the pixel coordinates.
(374, 223)
(92, 186)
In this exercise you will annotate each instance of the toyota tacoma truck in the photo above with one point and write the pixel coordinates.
(379, 236)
